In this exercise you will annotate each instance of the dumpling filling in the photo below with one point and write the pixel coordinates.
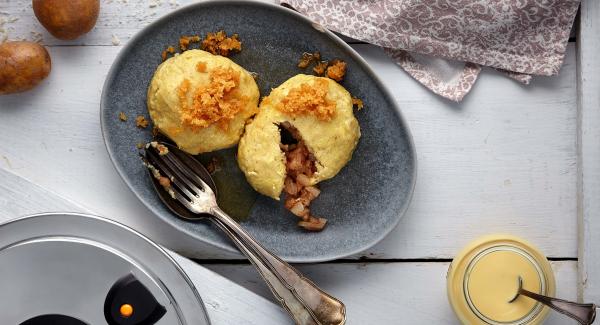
(300, 167)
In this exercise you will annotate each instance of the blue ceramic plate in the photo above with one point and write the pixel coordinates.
(363, 203)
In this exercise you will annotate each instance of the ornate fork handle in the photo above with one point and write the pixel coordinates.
(583, 313)
(305, 302)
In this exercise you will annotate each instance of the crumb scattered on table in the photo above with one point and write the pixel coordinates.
(122, 117)
(115, 40)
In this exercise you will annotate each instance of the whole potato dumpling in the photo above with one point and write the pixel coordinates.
(22, 66)
(67, 19)
(202, 101)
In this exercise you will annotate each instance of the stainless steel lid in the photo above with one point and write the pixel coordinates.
(66, 264)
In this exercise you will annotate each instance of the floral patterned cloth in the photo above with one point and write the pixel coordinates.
(522, 37)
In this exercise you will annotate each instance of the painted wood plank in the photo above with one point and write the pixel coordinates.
(118, 21)
(504, 160)
(19, 197)
(394, 293)
(589, 146)
(226, 302)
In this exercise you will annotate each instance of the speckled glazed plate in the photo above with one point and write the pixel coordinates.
(363, 203)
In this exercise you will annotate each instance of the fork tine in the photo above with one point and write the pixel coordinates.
(183, 200)
(178, 174)
(187, 171)
(161, 166)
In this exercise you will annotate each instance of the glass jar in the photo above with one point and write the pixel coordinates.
(484, 277)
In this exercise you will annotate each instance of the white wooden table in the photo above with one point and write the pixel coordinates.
(515, 159)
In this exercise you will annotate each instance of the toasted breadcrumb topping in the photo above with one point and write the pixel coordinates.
(162, 149)
(358, 103)
(218, 43)
(122, 116)
(201, 66)
(141, 122)
(309, 98)
(320, 68)
(165, 53)
(185, 41)
(212, 103)
(308, 58)
(336, 70)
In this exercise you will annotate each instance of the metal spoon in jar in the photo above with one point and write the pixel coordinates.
(585, 314)
(186, 187)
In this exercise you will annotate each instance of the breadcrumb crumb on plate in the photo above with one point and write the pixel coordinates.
(141, 122)
(336, 70)
(219, 44)
(358, 103)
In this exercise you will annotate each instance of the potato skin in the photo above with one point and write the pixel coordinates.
(67, 19)
(22, 66)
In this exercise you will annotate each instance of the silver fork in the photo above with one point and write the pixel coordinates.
(302, 299)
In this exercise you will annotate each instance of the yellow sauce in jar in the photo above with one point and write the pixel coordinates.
(483, 278)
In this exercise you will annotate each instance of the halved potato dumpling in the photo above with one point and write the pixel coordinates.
(320, 111)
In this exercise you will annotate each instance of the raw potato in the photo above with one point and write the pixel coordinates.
(22, 66)
(67, 19)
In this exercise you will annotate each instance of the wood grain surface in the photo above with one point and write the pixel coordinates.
(394, 293)
(504, 160)
(589, 146)
(510, 158)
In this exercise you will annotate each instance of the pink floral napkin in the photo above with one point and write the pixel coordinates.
(518, 37)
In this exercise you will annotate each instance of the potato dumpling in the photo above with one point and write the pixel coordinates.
(22, 66)
(202, 101)
(67, 19)
(321, 114)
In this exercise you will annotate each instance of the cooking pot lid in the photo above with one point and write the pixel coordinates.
(82, 269)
